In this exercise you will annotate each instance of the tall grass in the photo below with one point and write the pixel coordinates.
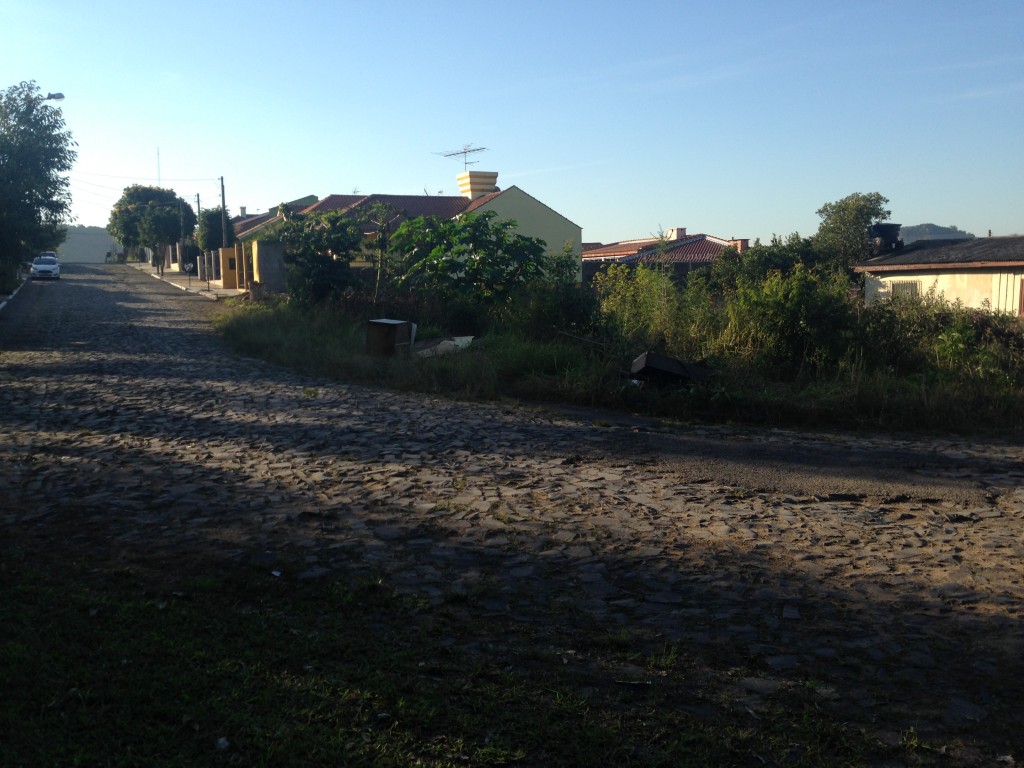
(794, 349)
(327, 341)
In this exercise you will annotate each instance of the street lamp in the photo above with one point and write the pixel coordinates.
(54, 97)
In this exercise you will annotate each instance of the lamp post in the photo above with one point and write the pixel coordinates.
(54, 97)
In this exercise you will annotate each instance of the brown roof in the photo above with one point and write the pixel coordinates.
(333, 203)
(245, 227)
(974, 253)
(407, 206)
(689, 249)
(616, 251)
(244, 224)
(474, 204)
(693, 249)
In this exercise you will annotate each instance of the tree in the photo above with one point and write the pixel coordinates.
(35, 153)
(210, 234)
(758, 261)
(843, 233)
(318, 249)
(381, 218)
(469, 257)
(150, 217)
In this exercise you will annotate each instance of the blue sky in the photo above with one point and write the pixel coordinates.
(739, 120)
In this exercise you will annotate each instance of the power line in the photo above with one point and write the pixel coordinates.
(141, 178)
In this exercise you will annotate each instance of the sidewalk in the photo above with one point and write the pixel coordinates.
(192, 284)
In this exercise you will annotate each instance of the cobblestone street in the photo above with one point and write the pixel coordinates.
(888, 570)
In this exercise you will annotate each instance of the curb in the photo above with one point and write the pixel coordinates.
(15, 293)
(198, 292)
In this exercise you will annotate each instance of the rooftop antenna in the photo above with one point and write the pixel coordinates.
(466, 151)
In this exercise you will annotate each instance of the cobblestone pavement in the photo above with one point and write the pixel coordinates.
(887, 571)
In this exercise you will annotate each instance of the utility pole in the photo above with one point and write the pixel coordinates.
(217, 269)
(181, 234)
(205, 273)
(223, 217)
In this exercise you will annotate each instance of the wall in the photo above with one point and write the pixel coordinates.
(228, 268)
(86, 245)
(972, 287)
(268, 266)
(535, 220)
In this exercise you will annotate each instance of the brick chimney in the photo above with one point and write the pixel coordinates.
(740, 245)
(676, 233)
(474, 184)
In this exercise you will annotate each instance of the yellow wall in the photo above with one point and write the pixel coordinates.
(972, 287)
(535, 220)
(228, 268)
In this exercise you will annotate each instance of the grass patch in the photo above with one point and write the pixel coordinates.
(230, 666)
(325, 342)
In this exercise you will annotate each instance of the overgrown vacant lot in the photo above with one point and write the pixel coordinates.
(209, 560)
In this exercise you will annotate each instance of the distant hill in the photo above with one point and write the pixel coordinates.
(932, 232)
(88, 245)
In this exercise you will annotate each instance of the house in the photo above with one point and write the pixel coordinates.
(245, 223)
(676, 249)
(983, 273)
(479, 194)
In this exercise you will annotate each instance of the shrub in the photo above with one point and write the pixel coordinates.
(641, 304)
(790, 324)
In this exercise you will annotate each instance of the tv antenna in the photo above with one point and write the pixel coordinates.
(466, 151)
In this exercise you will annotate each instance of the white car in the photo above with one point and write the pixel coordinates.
(45, 265)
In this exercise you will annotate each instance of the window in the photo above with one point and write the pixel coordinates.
(905, 289)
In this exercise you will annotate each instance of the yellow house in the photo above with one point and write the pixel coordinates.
(982, 273)
(533, 218)
(479, 194)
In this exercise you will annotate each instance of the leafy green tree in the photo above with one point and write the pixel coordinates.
(842, 236)
(150, 217)
(318, 249)
(758, 261)
(470, 257)
(210, 232)
(35, 152)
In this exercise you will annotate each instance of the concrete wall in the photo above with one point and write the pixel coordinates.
(268, 266)
(87, 245)
(972, 287)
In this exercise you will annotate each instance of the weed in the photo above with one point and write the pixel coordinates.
(920, 367)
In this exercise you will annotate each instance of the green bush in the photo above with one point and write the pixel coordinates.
(641, 305)
(927, 336)
(790, 324)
